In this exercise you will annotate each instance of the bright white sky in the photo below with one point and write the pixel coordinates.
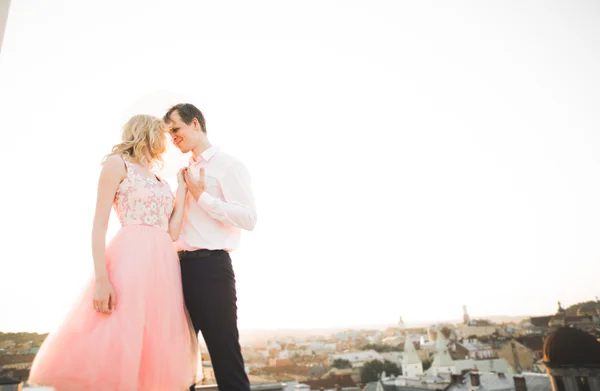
(407, 157)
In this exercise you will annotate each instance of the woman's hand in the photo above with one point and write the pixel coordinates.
(104, 297)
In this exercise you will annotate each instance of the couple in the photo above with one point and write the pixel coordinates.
(134, 327)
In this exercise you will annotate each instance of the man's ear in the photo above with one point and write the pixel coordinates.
(196, 124)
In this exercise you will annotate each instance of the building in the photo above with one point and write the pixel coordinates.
(401, 383)
(584, 322)
(488, 381)
(411, 363)
(346, 382)
(471, 349)
(444, 365)
(316, 347)
(442, 361)
(477, 328)
(395, 357)
(357, 359)
(466, 317)
(535, 343)
(519, 356)
(499, 365)
(572, 358)
(281, 362)
(539, 324)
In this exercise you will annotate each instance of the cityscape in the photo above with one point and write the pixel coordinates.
(440, 356)
(424, 177)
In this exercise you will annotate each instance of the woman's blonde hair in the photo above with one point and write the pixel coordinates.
(143, 136)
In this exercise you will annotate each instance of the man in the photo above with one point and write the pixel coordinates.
(218, 206)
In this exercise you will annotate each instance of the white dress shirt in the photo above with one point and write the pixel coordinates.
(226, 206)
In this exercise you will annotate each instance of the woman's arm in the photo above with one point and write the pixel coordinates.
(111, 176)
(176, 219)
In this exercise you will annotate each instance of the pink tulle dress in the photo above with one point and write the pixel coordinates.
(147, 342)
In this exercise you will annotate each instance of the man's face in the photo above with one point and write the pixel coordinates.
(184, 136)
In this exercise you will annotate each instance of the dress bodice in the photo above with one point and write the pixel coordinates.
(143, 200)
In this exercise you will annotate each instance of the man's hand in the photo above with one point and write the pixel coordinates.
(195, 187)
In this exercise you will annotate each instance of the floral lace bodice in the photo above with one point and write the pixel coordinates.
(143, 200)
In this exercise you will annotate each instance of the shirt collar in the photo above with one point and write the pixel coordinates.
(206, 155)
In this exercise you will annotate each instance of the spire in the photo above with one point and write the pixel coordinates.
(410, 355)
(401, 323)
(466, 318)
(442, 357)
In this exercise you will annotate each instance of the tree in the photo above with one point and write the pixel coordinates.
(380, 348)
(341, 363)
(371, 370)
(391, 368)
(446, 332)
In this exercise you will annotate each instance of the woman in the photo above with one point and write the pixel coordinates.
(129, 330)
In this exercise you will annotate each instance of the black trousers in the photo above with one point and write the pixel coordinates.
(210, 297)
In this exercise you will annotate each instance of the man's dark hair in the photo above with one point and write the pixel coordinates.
(187, 112)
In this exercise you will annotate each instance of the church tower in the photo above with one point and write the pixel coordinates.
(466, 318)
(411, 363)
(401, 324)
(442, 361)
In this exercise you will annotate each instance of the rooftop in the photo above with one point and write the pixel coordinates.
(490, 381)
(569, 346)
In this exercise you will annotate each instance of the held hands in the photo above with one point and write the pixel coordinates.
(195, 187)
(104, 297)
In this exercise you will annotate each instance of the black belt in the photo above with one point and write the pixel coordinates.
(202, 253)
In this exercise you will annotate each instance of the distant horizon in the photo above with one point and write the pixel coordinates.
(365, 326)
(369, 326)
(413, 324)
